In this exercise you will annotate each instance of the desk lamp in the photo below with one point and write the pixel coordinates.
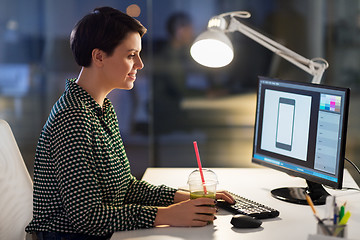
(213, 48)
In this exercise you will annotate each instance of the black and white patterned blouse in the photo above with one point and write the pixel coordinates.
(82, 179)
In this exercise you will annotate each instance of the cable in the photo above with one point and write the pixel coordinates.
(357, 169)
(353, 164)
(350, 188)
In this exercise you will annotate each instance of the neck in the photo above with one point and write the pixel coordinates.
(91, 83)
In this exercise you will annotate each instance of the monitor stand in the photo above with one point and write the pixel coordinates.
(297, 194)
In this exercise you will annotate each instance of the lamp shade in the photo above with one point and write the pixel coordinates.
(212, 48)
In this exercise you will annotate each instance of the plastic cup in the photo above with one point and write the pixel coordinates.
(198, 189)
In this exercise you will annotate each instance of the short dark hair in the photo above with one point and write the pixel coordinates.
(105, 28)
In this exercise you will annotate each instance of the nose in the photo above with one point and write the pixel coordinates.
(139, 63)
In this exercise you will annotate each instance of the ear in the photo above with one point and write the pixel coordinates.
(97, 56)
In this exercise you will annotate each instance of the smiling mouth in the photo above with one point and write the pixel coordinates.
(132, 76)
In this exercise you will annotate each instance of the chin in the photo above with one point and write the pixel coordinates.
(131, 86)
(128, 87)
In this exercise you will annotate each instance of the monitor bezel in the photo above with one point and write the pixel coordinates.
(336, 185)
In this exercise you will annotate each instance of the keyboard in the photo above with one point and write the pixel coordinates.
(247, 207)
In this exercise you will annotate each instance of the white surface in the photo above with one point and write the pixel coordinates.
(322, 237)
(15, 188)
(295, 221)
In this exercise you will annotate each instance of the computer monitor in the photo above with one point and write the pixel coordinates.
(300, 129)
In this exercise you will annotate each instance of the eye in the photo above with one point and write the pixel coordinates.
(132, 55)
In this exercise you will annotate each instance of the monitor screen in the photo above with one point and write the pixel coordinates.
(300, 129)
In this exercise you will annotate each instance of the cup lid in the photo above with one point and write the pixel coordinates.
(209, 176)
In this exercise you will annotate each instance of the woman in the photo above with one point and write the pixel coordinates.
(83, 188)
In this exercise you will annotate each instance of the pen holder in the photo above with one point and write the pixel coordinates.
(339, 231)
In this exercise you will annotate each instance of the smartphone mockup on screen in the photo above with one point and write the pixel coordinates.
(285, 123)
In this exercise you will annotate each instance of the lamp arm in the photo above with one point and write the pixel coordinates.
(313, 66)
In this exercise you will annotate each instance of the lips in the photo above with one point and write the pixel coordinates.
(132, 76)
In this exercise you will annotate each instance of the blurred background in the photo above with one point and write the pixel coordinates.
(176, 101)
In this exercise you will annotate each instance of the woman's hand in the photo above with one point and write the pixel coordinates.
(190, 213)
(182, 196)
(225, 196)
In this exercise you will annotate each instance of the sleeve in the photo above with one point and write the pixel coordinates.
(80, 195)
(150, 195)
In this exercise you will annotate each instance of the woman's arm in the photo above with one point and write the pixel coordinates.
(81, 195)
(181, 195)
(189, 213)
(144, 193)
(185, 212)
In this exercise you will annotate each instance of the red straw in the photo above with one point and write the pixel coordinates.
(199, 164)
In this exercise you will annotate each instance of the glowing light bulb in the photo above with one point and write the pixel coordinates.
(212, 49)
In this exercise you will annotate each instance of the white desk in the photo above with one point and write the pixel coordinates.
(295, 221)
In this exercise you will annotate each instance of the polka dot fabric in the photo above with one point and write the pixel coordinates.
(82, 179)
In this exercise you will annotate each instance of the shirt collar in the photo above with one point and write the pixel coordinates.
(86, 98)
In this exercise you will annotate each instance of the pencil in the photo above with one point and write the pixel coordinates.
(311, 204)
(321, 223)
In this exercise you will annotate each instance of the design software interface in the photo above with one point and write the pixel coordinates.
(299, 127)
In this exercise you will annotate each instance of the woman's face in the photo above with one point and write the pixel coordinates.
(121, 67)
